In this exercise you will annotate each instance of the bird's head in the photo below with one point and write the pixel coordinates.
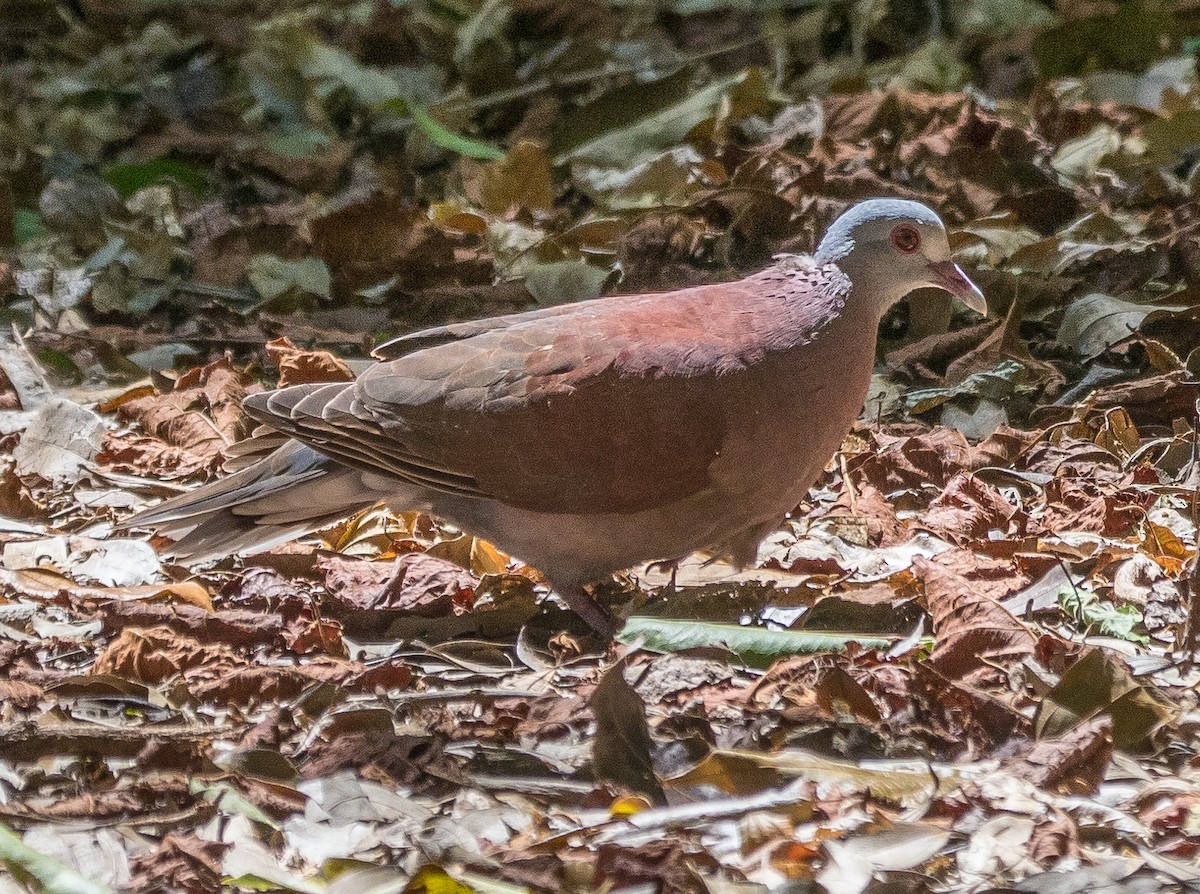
(896, 246)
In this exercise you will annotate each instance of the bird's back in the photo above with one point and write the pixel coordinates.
(619, 405)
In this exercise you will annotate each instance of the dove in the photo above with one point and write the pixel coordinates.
(588, 438)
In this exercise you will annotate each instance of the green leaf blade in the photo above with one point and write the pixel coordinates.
(757, 646)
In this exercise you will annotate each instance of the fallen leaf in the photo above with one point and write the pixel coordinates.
(974, 636)
(621, 746)
(298, 367)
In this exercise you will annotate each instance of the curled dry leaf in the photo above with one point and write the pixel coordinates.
(46, 584)
(621, 747)
(202, 413)
(1074, 761)
(975, 637)
(157, 654)
(59, 441)
(853, 862)
(379, 237)
(297, 366)
(182, 861)
(151, 458)
(16, 500)
(968, 509)
(964, 717)
(1099, 684)
(412, 583)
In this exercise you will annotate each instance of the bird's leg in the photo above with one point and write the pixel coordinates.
(581, 602)
(668, 564)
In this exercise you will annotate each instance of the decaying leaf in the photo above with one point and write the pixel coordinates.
(59, 441)
(621, 747)
(1098, 685)
(974, 636)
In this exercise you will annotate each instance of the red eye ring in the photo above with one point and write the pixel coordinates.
(906, 238)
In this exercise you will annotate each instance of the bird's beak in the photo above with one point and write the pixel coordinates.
(949, 276)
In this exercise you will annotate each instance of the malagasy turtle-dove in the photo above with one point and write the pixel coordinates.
(589, 437)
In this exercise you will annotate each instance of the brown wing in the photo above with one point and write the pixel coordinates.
(621, 405)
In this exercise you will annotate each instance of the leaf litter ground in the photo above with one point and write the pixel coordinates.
(963, 665)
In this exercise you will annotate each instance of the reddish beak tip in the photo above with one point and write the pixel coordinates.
(949, 276)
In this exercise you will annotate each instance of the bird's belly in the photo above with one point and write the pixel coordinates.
(775, 451)
(584, 548)
(581, 548)
(786, 445)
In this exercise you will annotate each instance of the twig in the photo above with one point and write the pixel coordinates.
(1192, 630)
(851, 493)
(30, 740)
(462, 695)
(575, 78)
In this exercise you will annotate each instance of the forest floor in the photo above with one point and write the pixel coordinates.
(962, 666)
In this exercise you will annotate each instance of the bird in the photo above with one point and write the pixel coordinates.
(590, 437)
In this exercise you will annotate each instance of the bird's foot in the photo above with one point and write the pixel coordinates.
(671, 565)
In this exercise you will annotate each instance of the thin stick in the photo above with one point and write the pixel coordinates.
(1192, 631)
(575, 78)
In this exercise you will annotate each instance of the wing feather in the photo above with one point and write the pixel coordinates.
(605, 406)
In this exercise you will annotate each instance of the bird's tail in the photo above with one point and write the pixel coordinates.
(292, 491)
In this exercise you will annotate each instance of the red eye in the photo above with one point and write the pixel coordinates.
(906, 238)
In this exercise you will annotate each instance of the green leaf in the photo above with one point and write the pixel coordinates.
(563, 282)
(997, 383)
(298, 144)
(334, 65)
(935, 66)
(229, 800)
(166, 356)
(616, 111)
(627, 125)
(41, 873)
(443, 136)
(27, 226)
(258, 883)
(665, 179)
(272, 276)
(1127, 40)
(1079, 158)
(1094, 323)
(433, 879)
(999, 17)
(439, 134)
(483, 30)
(1119, 621)
(482, 884)
(1170, 139)
(129, 178)
(757, 646)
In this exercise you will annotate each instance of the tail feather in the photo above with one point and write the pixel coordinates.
(263, 441)
(291, 492)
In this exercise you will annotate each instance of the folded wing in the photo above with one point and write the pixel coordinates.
(566, 412)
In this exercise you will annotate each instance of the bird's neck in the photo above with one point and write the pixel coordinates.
(872, 291)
